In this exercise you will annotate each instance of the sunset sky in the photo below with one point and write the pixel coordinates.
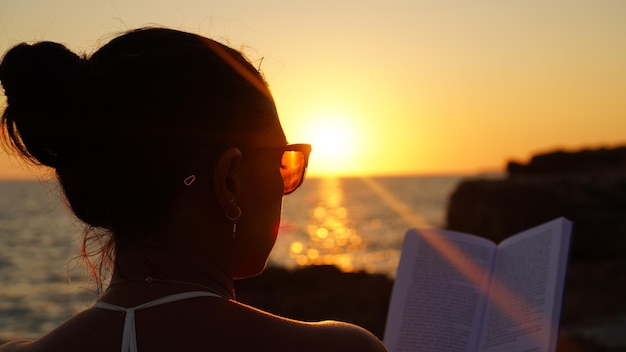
(394, 87)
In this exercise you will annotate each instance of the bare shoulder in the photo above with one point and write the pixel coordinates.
(346, 337)
(79, 333)
(329, 336)
(15, 346)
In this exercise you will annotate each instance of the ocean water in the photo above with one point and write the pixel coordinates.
(357, 224)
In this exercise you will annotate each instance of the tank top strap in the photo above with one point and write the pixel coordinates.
(129, 336)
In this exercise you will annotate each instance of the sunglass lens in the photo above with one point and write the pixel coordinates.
(292, 170)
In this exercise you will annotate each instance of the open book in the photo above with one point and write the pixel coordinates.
(459, 292)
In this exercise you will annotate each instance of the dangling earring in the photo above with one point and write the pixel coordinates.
(235, 217)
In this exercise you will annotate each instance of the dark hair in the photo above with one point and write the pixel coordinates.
(123, 126)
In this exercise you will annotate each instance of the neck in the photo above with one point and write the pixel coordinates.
(174, 266)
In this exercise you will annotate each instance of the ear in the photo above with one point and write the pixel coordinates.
(225, 177)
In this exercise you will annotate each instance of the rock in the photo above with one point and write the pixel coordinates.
(497, 209)
(589, 188)
(594, 161)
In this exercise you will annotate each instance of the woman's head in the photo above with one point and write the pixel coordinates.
(124, 127)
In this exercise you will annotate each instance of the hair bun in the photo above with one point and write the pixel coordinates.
(44, 85)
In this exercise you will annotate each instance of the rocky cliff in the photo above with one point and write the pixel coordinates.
(589, 188)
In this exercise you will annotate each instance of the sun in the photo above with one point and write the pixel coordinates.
(331, 142)
(334, 141)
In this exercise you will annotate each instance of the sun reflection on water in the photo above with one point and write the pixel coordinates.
(330, 235)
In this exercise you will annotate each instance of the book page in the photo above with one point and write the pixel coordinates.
(526, 294)
(439, 294)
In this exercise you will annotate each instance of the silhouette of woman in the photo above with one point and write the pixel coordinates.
(168, 147)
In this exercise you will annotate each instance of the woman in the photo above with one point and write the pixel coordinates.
(168, 147)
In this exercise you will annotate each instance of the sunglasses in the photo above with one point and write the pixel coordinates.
(293, 164)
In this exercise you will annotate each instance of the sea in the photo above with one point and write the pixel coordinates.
(357, 224)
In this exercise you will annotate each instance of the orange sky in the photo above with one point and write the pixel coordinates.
(388, 87)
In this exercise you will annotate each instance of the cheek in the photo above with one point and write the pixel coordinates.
(267, 180)
(258, 227)
(271, 196)
(254, 243)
